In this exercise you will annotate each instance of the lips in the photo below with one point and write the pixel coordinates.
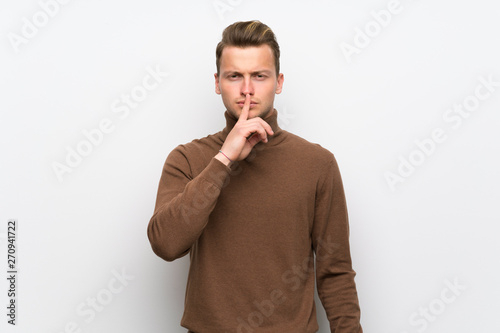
(241, 103)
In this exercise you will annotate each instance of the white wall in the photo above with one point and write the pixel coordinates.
(435, 226)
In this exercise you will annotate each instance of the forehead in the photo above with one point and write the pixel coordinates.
(250, 58)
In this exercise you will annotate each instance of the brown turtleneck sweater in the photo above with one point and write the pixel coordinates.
(252, 231)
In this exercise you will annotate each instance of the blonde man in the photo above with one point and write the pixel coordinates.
(255, 206)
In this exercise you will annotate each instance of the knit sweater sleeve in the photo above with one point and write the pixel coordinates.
(183, 204)
(334, 273)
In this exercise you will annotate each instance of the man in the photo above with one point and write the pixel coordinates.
(252, 204)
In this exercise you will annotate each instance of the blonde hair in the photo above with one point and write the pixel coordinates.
(245, 34)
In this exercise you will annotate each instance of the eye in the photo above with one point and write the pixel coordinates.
(260, 76)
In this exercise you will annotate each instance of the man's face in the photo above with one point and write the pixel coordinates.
(248, 70)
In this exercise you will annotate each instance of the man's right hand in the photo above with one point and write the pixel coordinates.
(245, 134)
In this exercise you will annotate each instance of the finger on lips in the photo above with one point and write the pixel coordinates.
(259, 125)
(245, 110)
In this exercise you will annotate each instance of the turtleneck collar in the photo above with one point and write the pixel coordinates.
(271, 118)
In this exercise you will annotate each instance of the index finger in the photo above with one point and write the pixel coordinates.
(245, 110)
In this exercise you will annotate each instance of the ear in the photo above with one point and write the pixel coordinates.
(217, 87)
(279, 85)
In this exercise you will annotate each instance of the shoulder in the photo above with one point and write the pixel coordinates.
(197, 153)
(199, 146)
(310, 150)
(318, 161)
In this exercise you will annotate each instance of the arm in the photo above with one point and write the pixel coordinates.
(183, 204)
(334, 273)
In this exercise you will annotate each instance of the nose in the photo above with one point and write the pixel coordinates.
(247, 86)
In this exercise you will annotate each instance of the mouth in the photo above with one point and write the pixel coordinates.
(252, 104)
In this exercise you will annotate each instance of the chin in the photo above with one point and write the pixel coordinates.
(253, 113)
(262, 113)
(234, 114)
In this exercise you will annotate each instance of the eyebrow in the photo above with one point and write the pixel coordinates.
(263, 71)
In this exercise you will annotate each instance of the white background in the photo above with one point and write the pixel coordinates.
(440, 224)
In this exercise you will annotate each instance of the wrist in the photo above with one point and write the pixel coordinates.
(224, 159)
